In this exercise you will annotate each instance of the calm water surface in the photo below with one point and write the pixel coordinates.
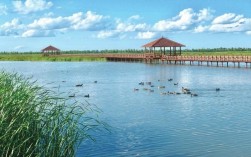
(150, 124)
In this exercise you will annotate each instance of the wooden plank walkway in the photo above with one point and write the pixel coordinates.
(158, 58)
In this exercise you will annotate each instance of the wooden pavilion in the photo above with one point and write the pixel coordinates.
(164, 46)
(50, 50)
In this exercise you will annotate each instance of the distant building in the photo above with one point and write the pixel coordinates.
(50, 50)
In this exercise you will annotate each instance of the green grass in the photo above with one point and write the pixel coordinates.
(35, 122)
(39, 57)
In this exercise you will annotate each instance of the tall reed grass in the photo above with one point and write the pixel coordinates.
(35, 122)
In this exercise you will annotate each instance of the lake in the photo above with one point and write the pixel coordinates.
(144, 123)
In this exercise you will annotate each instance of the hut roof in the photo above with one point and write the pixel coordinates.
(163, 42)
(50, 48)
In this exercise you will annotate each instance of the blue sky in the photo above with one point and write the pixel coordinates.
(30, 25)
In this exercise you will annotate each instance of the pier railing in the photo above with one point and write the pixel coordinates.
(208, 58)
(156, 56)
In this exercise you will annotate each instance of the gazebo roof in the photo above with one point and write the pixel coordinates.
(163, 42)
(50, 48)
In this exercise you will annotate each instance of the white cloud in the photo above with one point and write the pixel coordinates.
(134, 17)
(145, 35)
(200, 29)
(86, 21)
(107, 34)
(49, 14)
(248, 32)
(11, 28)
(3, 9)
(227, 18)
(184, 20)
(120, 28)
(38, 33)
(231, 23)
(77, 21)
(128, 27)
(30, 6)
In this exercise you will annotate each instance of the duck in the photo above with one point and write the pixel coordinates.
(141, 83)
(170, 79)
(184, 90)
(136, 89)
(148, 83)
(152, 86)
(163, 93)
(161, 87)
(95, 81)
(87, 96)
(72, 96)
(194, 94)
(151, 90)
(217, 89)
(176, 84)
(79, 85)
(145, 89)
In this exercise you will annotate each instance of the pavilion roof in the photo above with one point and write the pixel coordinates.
(50, 48)
(163, 42)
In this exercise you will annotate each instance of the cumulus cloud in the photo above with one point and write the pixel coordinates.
(230, 23)
(248, 32)
(227, 18)
(77, 21)
(38, 33)
(29, 6)
(107, 34)
(184, 20)
(11, 28)
(145, 35)
(128, 27)
(3, 9)
(134, 17)
(121, 28)
(200, 29)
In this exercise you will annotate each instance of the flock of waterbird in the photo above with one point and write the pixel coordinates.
(148, 86)
(80, 85)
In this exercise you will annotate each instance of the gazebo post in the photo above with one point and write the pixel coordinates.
(180, 51)
(164, 51)
(170, 51)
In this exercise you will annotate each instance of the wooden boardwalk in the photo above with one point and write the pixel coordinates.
(236, 61)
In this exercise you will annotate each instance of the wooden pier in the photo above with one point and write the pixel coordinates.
(235, 61)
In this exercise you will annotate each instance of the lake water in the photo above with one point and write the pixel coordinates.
(147, 123)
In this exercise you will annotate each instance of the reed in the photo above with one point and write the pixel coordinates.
(35, 122)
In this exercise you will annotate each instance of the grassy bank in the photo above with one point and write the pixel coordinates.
(39, 57)
(36, 122)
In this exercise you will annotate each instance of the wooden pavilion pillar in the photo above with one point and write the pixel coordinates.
(170, 51)
(180, 51)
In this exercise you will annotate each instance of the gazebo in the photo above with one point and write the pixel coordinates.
(50, 50)
(162, 45)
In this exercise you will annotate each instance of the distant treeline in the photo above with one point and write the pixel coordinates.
(136, 51)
